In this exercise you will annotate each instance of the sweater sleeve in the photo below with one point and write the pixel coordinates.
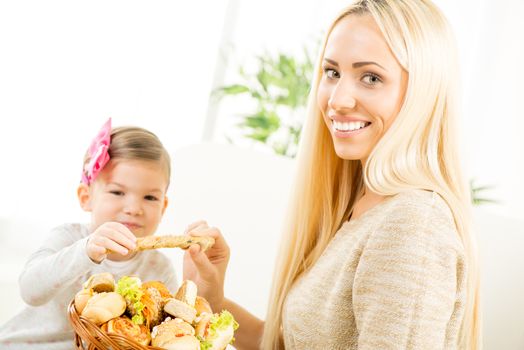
(58, 263)
(408, 280)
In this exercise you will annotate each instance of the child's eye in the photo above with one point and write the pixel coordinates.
(371, 79)
(117, 193)
(331, 73)
(151, 198)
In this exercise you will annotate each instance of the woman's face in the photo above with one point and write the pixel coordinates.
(362, 86)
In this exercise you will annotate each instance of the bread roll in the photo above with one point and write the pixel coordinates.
(168, 333)
(185, 342)
(104, 306)
(187, 292)
(222, 339)
(81, 299)
(180, 309)
(164, 292)
(101, 282)
(153, 306)
(202, 325)
(202, 306)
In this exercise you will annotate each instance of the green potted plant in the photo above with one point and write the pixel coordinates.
(280, 87)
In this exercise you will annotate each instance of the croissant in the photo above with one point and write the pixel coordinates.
(124, 326)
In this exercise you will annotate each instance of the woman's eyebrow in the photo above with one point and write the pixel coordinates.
(365, 63)
(330, 61)
(356, 64)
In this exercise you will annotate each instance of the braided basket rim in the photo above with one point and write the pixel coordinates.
(88, 336)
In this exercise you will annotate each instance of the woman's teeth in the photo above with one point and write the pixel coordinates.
(349, 126)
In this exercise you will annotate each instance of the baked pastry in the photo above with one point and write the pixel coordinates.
(171, 241)
(187, 293)
(124, 326)
(164, 292)
(101, 282)
(102, 307)
(175, 334)
(81, 299)
(179, 309)
(217, 331)
(202, 306)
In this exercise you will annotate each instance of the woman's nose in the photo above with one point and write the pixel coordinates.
(342, 96)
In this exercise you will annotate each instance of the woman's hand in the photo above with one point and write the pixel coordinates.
(207, 269)
(110, 237)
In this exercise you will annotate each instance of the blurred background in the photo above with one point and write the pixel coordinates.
(231, 74)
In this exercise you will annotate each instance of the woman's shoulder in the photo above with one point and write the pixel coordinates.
(420, 214)
(420, 204)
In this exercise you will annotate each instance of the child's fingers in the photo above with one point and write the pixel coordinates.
(112, 246)
(98, 251)
(123, 230)
(119, 237)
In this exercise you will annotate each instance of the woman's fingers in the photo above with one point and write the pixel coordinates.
(220, 243)
(201, 262)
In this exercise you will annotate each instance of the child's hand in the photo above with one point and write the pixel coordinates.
(110, 236)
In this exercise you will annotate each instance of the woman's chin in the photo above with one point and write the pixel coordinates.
(348, 153)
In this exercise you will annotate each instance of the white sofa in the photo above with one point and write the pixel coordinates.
(245, 194)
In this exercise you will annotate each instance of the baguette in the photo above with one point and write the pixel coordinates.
(171, 241)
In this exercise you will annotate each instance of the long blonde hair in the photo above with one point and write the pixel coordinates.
(419, 151)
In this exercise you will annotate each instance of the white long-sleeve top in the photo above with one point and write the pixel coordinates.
(54, 274)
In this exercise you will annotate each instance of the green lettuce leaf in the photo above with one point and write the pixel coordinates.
(217, 323)
(129, 288)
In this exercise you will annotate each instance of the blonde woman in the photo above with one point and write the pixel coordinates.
(377, 252)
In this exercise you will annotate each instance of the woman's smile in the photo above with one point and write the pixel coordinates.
(348, 127)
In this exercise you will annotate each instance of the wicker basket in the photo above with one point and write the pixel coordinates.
(89, 336)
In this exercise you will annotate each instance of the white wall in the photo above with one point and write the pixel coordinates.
(66, 66)
(489, 38)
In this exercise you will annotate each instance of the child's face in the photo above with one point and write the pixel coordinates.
(131, 192)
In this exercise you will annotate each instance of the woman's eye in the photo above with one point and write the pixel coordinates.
(371, 79)
(331, 73)
(151, 198)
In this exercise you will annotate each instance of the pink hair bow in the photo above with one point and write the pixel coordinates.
(98, 154)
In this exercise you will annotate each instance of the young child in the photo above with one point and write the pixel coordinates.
(124, 182)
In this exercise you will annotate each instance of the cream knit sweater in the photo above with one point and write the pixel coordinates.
(392, 279)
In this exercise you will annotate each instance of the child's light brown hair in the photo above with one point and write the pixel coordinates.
(135, 143)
